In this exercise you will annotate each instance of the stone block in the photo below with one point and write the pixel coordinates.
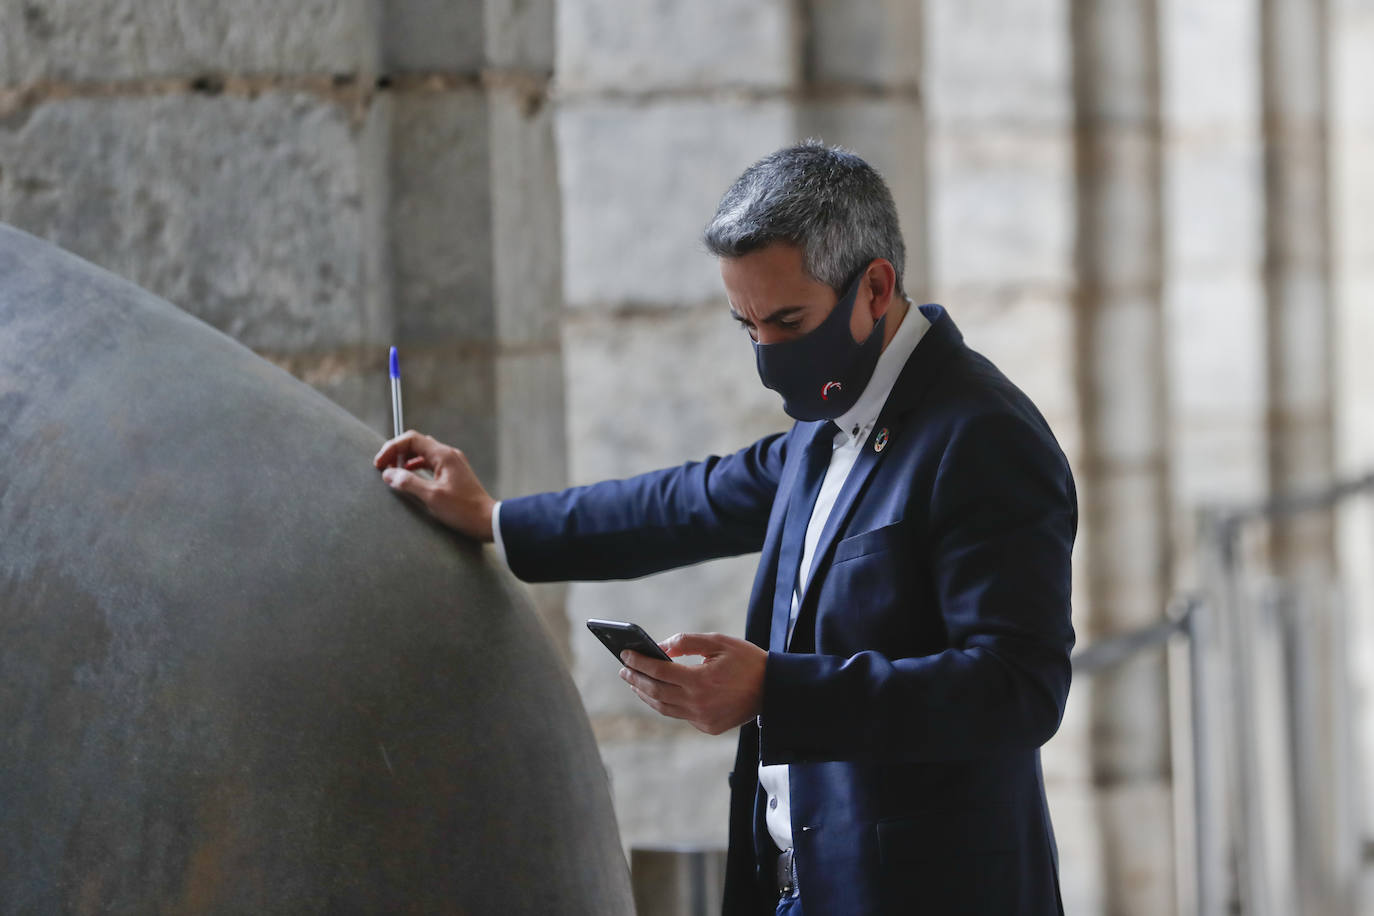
(671, 791)
(613, 46)
(1128, 561)
(650, 391)
(866, 43)
(356, 382)
(1352, 180)
(998, 62)
(251, 213)
(1302, 347)
(1137, 848)
(1001, 210)
(1119, 195)
(432, 35)
(641, 183)
(888, 134)
(532, 445)
(464, 158)
(1296, 56)
(449, 393)
(428, 35)
(645, 392)
(67, 40)
(1130, 727)
(1125, 340)
(1115, 61)
(1209, 73)
(1073, 811)
(1352, 67)
(1213, 202)
(1354, 324)
(526, 221)
(440, 186)
(1067, 757)
(1215, 333)
(520, 33)
(1216, 458)
(1031, 339)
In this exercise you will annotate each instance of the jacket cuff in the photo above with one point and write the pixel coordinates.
(794, 714)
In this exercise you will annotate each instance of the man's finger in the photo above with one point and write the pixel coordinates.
(656, 668)
(408, 443)
(660, 706)
(407, 482)
(681, 644)
(657, 687)
(386, 457)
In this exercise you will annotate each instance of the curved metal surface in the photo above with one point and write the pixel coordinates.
(237, 673)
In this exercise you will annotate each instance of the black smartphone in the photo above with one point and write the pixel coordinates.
(618, 637)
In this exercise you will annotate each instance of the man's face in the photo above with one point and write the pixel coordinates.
(773, 298)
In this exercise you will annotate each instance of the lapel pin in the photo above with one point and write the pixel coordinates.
(880, 442)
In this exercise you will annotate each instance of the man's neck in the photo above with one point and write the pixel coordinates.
(895, 312)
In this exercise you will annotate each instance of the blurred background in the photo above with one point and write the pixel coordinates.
(1151, 214)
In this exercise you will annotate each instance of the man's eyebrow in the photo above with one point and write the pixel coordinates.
(787, 311)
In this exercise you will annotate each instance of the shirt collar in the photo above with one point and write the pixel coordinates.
(856, 422)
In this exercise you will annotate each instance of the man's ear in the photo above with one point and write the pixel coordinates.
(880, 282)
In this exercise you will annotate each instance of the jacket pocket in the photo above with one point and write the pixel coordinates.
(869, 542)
(947, 834)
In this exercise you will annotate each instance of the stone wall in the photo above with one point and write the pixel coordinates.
(320, 180)
(1107, 246)
(325, 178)
(1352, 181)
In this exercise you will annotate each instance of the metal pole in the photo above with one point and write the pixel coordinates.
(1209, 794)
(1254, 883)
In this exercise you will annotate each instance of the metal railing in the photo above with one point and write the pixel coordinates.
(1245, 648)
(1262, 744)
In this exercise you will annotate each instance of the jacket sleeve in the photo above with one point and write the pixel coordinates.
(621, 529)
(1002, 521)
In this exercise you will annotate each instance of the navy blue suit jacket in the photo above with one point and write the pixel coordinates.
(930, 659)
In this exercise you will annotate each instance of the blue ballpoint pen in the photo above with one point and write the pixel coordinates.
(397, 424)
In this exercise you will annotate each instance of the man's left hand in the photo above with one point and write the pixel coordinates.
(725, 690)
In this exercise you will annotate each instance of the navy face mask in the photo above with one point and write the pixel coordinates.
(821, 374)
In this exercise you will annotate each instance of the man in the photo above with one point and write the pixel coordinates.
(908, 633)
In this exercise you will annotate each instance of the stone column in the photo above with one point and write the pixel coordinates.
(1293, 64)
(1216, 366)
(1351, 34)
(660, 107)
(1116, 92)
(319, 180)
(1000, 151)
(860, 87)
(473, 230)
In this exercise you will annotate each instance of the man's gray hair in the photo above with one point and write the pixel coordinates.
(824, 199)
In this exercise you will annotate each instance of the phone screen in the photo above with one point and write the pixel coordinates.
(617, 636)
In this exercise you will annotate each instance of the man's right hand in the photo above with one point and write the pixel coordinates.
(455, 496)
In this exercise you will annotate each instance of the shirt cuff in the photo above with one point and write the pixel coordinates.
(496, 534)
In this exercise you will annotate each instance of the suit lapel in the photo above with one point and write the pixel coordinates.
(806, 484)
(758, 624)
(801, 482)
(854, 484)
(938, 344)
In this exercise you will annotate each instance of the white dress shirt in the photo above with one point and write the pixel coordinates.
(854, 425)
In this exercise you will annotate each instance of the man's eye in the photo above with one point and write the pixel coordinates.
(790, 324)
